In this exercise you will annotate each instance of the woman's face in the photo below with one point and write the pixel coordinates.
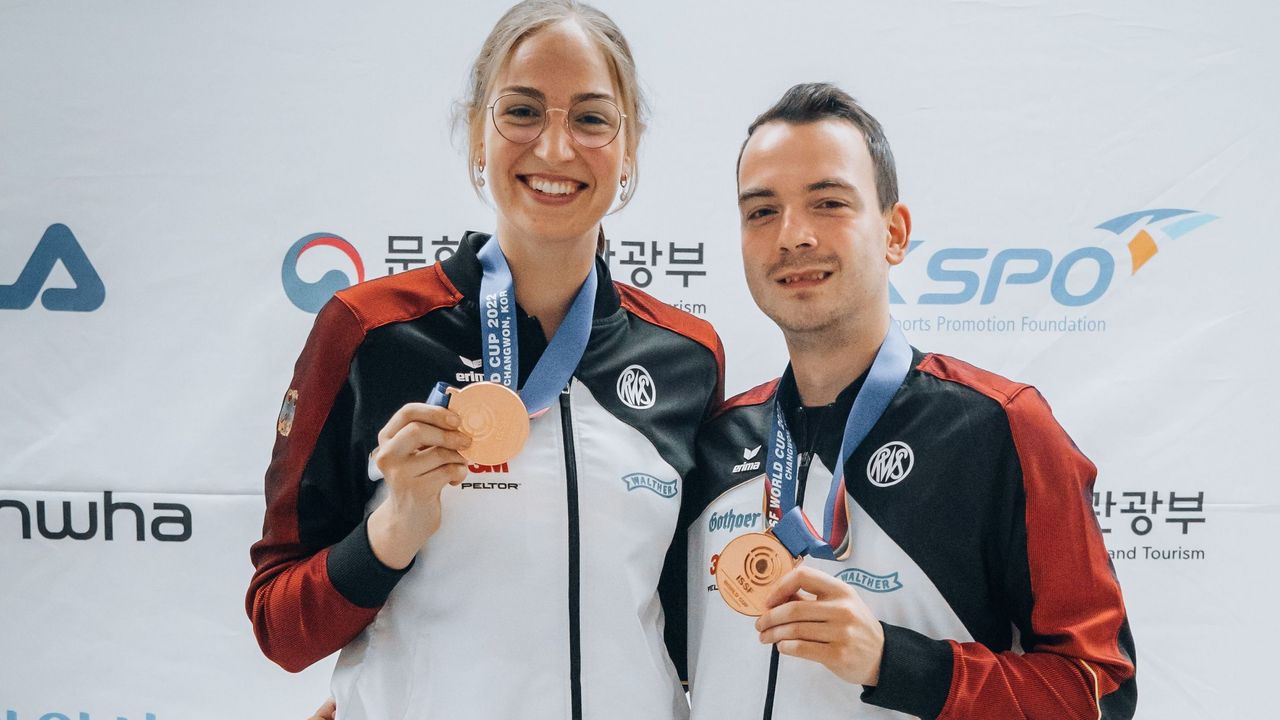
(553, 189)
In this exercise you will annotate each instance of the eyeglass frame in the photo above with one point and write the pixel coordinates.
(547, 114)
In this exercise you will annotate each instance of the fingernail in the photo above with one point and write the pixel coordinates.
(453, 419)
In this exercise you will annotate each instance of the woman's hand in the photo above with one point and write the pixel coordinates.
(418, 455)
(327, 711)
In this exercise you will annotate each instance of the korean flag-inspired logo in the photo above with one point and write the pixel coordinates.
(636, 389)
(890, 464)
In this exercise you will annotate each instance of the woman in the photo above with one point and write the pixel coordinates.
(530, 588)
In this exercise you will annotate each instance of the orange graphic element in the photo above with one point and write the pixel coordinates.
(1142, 247)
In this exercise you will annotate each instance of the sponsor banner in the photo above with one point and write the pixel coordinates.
(140, 615)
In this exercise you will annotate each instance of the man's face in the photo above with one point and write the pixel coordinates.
(815, 246)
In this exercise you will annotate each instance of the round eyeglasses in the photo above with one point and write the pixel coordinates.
(520, 118)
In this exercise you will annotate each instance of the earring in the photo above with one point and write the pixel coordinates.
(480, 174)
(626, 191)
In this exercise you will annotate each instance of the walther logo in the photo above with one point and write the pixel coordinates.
(175, 526)
(665, 488)
(869, 581)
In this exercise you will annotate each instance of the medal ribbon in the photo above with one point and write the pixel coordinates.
(787, 519)
(500, 339)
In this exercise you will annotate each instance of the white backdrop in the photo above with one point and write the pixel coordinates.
(184, 148)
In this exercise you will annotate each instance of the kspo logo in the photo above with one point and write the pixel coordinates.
(57, 245)
(1079, 277)
(636, 389)
(311, 296)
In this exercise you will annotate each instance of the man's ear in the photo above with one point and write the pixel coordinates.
(899, 222)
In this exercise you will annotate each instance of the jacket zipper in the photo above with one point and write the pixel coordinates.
(575, 629)
(802, 481)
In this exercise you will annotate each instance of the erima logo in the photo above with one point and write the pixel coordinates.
(475, 375)
(730, 520)
(57, 245)
(180, 520)
(665, 488)
(636, 388)
(870, 581)
(890, 464)
(748, 454)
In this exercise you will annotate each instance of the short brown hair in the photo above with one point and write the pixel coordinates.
(813, 102)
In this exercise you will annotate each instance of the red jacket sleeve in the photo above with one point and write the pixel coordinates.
(1076, 658)
(316, 582)
(1073, 647)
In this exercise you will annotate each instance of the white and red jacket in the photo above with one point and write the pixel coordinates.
(974, 543)
(538, 597)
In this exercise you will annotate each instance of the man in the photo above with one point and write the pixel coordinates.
(977, 585)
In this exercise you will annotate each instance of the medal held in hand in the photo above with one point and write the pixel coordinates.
(751, 565)
(494, 417)
(749, 568)
(493, 413)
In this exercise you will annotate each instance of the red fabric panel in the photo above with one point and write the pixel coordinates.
(1078, 609)
(661, 314)
(298, 616)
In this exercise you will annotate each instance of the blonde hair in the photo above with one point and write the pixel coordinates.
(523, 20)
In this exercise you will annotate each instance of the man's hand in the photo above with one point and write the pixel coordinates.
(814, 616)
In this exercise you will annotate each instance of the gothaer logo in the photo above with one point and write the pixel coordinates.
(870, 581)
(311, 296)
(636, 389)
(665, 488)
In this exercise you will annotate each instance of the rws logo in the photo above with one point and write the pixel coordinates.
(890, 464)
(636, 389)
(172, 526)
(870, 581)
(311, 296)
(1081, 276)
(57, 245)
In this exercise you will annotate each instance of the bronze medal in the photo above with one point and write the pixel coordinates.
(494, 417)
(748, 569)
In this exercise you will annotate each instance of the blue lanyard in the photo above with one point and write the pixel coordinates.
(499, 336)
(786, 517)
